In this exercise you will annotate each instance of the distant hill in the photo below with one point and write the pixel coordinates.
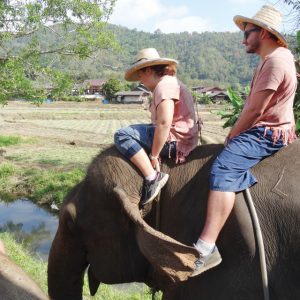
(209, 58)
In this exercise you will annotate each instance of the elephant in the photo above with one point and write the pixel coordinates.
(15, 284)
(102, 228)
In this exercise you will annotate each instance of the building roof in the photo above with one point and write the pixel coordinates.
(218, 93)
(141, 87)
(131, 93)
(207, 89)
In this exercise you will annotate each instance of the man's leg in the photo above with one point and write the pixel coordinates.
(219, 207)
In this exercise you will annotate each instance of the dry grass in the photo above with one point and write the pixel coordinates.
(59, 138)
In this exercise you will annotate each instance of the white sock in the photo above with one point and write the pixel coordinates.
(152, 176)
(204, 248)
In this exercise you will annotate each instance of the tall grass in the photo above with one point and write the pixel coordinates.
(8, 177)
(52, 185)
(6, 170)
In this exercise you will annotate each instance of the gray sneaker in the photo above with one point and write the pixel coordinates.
(205, 263)
(152, 188)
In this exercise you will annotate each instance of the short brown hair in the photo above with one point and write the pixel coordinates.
(161, 70)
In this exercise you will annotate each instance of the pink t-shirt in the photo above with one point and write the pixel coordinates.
(277, 72)
(184, 128)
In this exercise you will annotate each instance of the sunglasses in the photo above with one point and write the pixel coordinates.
(247, 32)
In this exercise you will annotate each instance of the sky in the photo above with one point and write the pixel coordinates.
(172, 16)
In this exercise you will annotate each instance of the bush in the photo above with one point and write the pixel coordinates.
(234, 111)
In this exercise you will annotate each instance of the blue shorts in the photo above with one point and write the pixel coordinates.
(230, 171)
(132, 139)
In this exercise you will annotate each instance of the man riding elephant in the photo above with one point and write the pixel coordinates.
(265, 125)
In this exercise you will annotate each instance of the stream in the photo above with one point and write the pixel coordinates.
(31, 225)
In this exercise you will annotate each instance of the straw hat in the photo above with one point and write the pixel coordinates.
(268, 18)
(145, 58)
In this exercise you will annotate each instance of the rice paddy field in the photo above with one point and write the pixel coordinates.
(45, 150)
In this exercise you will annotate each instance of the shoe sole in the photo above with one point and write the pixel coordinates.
(161, 185)
(208, 267)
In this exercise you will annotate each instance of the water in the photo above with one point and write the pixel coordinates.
(33, 226)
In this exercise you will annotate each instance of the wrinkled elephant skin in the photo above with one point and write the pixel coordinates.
(101, 227)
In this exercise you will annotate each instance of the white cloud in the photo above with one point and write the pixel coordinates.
(133, 13)
(151, 15)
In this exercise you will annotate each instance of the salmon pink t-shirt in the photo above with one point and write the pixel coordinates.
(277, 72)
(184, 129)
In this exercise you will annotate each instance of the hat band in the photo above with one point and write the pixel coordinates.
(139, 60)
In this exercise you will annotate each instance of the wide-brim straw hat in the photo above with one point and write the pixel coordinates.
(268, 18)
(146, 58)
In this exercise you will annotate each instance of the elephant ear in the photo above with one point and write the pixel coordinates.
(174, 259)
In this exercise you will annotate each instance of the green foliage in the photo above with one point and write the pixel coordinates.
(27, 55)
(6, 170)
(233, 112)
(52, 184)
(8, 140)
(112, 86)
(62, 84)
(201, 99)
(7, 173)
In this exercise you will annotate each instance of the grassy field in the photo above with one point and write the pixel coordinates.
(45, 150)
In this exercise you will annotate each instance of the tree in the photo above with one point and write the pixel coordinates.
(294, 14)
(79, 30)
(112, 86)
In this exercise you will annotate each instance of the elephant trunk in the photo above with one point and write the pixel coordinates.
(66, 267)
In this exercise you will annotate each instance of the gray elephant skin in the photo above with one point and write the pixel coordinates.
(100, 227)
(15, 284)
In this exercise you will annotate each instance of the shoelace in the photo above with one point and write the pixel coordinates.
(199, 263)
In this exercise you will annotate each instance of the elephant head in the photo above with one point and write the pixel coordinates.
(101, 227)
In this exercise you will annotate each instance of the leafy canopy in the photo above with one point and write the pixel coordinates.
(80, 30)
(112, 86)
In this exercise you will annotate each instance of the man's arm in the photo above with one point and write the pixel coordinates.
(252, 112)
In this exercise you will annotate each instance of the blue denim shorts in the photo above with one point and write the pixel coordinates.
(230, 171)
(132, 139)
